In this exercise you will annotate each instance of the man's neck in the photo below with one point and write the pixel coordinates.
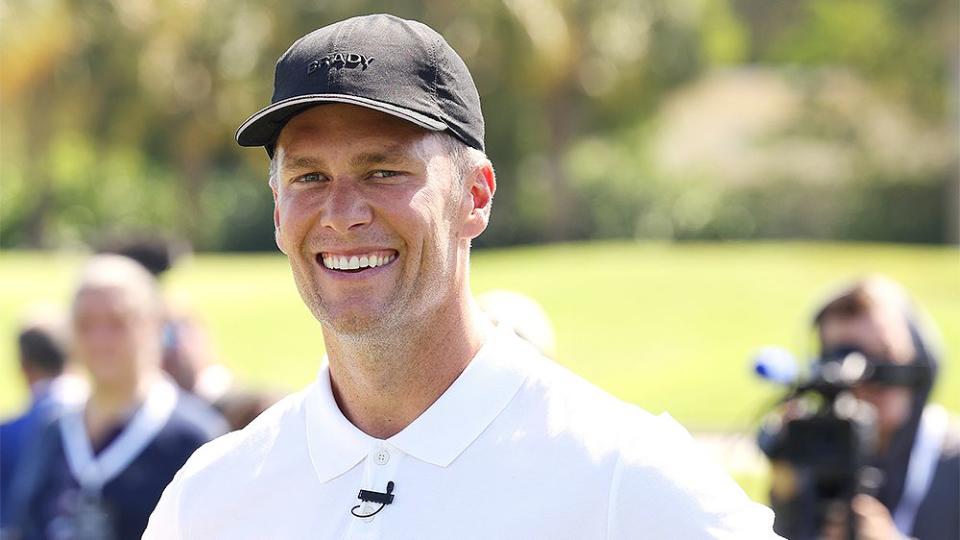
(110, 404)
(383, 388)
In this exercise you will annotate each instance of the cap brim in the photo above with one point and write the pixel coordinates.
(263, 128)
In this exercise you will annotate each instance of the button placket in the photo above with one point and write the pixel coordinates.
(380, 467)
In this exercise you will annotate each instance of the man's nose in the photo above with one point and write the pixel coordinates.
(344, 207)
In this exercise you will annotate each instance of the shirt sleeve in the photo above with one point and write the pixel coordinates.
(664, 486)
(164, 522)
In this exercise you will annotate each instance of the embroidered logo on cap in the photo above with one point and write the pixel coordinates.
(340, 60)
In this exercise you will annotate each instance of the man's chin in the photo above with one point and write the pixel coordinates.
(353, 321)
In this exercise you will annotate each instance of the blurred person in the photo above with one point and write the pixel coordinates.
(190, 359)
(241, 406)
(155, 252)
(189, 356)
(521, 314)
(100, 468)
(917, 444)
(42, 342)
(424, 420)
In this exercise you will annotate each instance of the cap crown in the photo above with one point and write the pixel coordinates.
(387, 63)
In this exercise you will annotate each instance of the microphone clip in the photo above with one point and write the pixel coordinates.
(376, 497)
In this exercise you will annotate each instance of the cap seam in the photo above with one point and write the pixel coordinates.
(334, 76)
(436, 74)
(292, 47)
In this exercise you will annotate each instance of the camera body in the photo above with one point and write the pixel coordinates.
(827, 452)
(823, 438)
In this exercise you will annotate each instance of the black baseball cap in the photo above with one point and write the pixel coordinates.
(397, 66)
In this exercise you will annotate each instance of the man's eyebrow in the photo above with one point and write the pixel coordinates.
(301, 162)
(392, 154)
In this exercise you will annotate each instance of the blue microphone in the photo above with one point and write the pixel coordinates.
(777, 365)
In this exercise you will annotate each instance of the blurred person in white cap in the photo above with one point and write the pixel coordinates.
(98, 470)
(425, 421)
(521, 314)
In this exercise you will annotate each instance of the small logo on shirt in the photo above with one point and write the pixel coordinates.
(340, 61)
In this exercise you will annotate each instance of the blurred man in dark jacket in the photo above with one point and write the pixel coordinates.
(917, 447)
(41, 344)
(98, 470)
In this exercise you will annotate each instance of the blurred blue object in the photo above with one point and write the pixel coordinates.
(776, 364)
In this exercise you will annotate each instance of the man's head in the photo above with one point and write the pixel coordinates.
(871, 316)
(117, 319)
(42, 343)
(376, 216)
(377, 170)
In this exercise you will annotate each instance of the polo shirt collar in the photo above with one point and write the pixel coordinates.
(439, 434)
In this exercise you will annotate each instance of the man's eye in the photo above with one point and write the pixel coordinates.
(384, 174)
(308, 178)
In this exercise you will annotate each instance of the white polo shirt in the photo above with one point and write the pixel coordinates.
(518, 447)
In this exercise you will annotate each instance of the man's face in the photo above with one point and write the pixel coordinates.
(879, 334)
(370, 212)
(111, 333)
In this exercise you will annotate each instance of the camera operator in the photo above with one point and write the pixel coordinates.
(916, 445)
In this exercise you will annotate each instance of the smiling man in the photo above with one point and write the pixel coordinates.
(424, 420)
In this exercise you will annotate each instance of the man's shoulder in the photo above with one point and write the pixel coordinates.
(40, 413)
(553, 394)
(951, 437)
(656, 472)
(572, 404)
(271, 436)
(12, 427)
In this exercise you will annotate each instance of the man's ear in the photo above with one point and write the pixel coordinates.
(480, 187)
(276, 220)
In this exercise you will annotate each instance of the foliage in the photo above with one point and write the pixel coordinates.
(120, 114)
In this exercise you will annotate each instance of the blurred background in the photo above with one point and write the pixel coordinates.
(679, 181)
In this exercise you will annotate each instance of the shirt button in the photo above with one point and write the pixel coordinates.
(381, 457)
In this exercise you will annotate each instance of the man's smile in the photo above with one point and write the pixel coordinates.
(356, 261)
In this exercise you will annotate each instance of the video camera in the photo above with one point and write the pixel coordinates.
(824, 433)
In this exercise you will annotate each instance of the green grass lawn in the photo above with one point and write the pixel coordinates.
(669, 327)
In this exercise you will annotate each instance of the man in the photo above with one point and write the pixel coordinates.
(41, 343)
(917, 447)
(98, 471)
(189, 355)
(424, 421)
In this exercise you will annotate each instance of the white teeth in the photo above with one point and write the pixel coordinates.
(355, 262)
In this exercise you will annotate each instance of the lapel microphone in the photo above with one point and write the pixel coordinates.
(382, 499)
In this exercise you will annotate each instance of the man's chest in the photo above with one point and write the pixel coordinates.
(500, 500)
